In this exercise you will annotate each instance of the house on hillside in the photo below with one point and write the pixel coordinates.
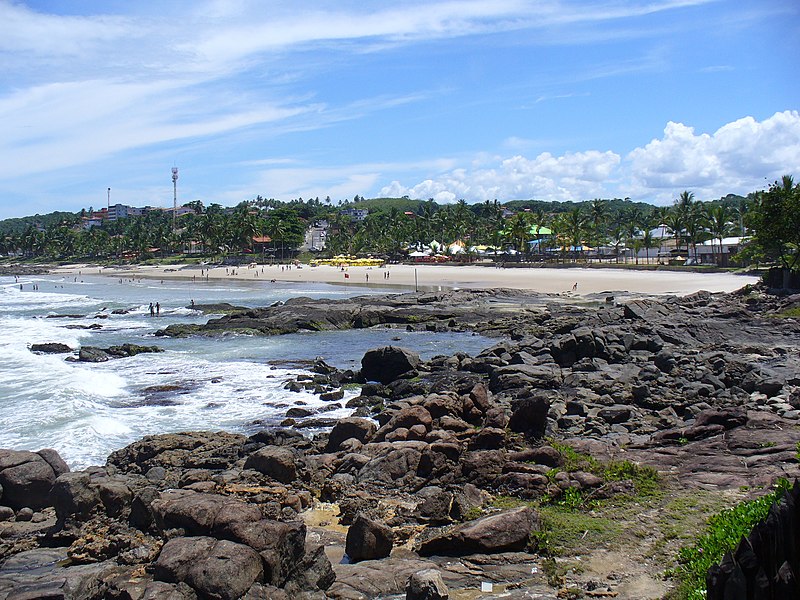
(357, 214)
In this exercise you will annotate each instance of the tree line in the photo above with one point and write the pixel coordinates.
(395, 226)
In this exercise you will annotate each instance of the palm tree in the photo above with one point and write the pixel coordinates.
(695, 227)
(575, 222)
(519, 229)
(617, 238)
(648, 241)
(675, 225)
(719, 226)
(598, 213)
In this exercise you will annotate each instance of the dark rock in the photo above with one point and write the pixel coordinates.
(530, 416)
(50, 348)
(217, 569)
(615, 414)
(406, 418)
(726, 417)
(386, 364)
(426, 585)
(93, 355)
(488, 438)
(502, 532)
(311, 573)
(26, 478)
(275, 462)
(72, 495)
(361, 429)
(368, 540)
(332, 395)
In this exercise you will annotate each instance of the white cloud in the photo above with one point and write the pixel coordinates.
(65, 124)
(739, 157)
(572, 176)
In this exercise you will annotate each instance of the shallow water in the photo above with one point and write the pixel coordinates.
(85, 410)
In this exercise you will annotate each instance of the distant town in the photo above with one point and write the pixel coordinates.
(720, 233)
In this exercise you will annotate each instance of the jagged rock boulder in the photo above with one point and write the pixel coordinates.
(504, 532)
(50, 348)
(368, 540)
(426, 585)
(188, 450)
(388, 363)
(26, 478)
(406, 418)
(73, 495)
(530, 416)
(274, 461)
(217, 569)
(352, 427)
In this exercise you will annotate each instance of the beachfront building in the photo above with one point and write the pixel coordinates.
(316, 236)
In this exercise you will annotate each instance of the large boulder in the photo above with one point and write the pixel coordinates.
(201, 514)
(274, 461)
(406, 418)
(27, 477)
(368, 540)
(50, 348)
(504, 532)
(388, 363)
(73, 495)
(280, 545)
(351, 427)
(530, 416)
(217, 569)
(426, 585)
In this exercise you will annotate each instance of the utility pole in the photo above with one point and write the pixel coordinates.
(109, 199)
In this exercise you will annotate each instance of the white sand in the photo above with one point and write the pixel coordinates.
(426, 277)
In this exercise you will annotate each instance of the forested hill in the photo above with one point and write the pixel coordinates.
(20, 224)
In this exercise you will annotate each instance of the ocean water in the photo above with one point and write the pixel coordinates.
(87, 410)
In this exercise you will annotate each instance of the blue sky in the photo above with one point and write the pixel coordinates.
(481, 99)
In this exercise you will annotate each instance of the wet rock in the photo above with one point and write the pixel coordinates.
(388, 363)
(50, 348)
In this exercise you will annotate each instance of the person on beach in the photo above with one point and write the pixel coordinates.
(575, 287)
(158, 309)
(152, 310)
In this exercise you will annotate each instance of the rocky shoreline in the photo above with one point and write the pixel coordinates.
(447, 474)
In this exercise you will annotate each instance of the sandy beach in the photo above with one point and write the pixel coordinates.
(434, 277)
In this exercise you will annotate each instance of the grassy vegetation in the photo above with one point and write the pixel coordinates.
(790, 313)
(722, 534)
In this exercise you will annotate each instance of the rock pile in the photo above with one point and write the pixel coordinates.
(704, 387)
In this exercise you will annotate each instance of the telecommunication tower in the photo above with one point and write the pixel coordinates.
(174, 198)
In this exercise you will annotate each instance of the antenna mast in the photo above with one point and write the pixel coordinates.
(174, 198)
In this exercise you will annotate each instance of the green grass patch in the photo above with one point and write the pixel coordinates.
(721, 535)
(790, 313)
(566, 531)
